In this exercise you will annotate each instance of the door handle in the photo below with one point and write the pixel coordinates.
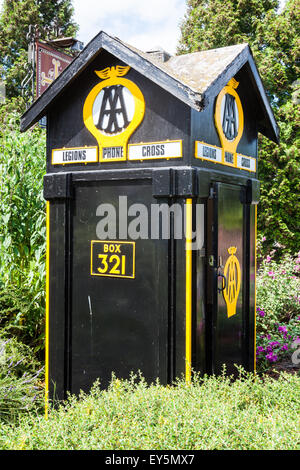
(220, 289)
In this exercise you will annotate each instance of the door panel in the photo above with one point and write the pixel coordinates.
(229, 320)
(119, 322)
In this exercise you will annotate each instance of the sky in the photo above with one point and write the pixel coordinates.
(145, 24)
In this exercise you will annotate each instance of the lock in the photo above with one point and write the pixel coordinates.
(211, 260)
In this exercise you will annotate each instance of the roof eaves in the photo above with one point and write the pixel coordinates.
(133, 58)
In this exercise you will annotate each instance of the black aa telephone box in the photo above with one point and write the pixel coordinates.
(151, 192)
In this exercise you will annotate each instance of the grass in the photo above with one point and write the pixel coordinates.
(250, 413)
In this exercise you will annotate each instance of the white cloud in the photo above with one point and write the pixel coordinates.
(142, 23)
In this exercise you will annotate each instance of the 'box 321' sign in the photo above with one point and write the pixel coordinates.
(113, 258)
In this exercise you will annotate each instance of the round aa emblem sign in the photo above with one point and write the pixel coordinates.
(113, 109)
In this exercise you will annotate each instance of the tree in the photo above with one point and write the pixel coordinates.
(15, 19)
(274, 40)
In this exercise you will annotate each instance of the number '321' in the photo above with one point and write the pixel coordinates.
(112, 264)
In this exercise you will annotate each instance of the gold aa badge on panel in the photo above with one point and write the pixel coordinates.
(232, 273)
(113, 109)
(229, 120)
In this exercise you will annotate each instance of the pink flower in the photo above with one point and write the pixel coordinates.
(268, 259)
(271, 274)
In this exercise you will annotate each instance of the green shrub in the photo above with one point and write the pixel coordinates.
(21, 387)
(212, 413)
(21, 316)
(278, 309)
(22, 229)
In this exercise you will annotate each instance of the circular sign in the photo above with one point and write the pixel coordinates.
(113, 109)
(229, 120)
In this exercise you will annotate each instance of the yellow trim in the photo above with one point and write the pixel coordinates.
(47, 308)
(75, 148)
(155, 143)
(115, 242)
(121, 139)
(255, 267)
(188, 291)
(229, 145)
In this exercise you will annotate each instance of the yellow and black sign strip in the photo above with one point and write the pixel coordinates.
(155, 150)
(214, 154)
(74, 155)
(208, 152)
(113, 258)
(246, 163)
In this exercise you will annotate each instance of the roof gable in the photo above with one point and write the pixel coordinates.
(194, 78)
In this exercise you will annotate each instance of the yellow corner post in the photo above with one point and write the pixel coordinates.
(255, 241)
(47, 307)
(188, 291)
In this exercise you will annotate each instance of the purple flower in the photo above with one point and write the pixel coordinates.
(271, 357)
(260, 312)
(282, 329)
(274, 343)
(285, 347)
(260, 349)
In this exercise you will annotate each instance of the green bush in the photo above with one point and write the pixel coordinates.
(22, 229)
(21, 386)
(278, 309)
(212, 413)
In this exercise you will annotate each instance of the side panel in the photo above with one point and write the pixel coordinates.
(200, 294)
(57, 316)
(252, 289)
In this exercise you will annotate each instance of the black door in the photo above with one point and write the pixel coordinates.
(119, 291)
(226, 294)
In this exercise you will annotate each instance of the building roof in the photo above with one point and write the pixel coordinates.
(194, 78)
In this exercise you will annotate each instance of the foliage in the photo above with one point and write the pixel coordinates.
(211, 413)
(279, 165)
(21, 390)
(15, 19)
(278, 311)
(22, 230)
(274, 40)
(218, 23)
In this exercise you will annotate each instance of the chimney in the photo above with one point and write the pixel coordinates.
(159, 54)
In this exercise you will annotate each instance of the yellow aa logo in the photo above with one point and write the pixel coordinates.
(229, 120)
(232, 273)
(112, 111)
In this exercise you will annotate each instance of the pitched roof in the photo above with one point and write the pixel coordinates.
(193, 78)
